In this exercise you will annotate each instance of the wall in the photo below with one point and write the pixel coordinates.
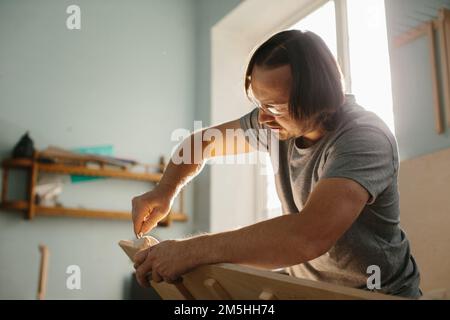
(424, 166)
(233, 39)
(126, 79)
(208, 12)
(411, 79)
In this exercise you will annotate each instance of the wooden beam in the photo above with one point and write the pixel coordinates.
(33, 175)
(79, 213)
(216, 290)
(17, 163)
(5, 185)
(444, 41)
(245, 283)
(414, 34)
(42, 286)
(15, 205)
(80, 170)
(434, 80)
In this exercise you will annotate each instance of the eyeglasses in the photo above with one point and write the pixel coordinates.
(271, 110)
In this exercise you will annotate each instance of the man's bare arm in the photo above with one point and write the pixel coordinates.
(187, 162)
(290, 239)
(213, 143)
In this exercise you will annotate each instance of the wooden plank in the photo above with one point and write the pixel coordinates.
(32, 193)
(42, 286)
(170, 291)
(5, 185)
(216, 290)
(15, 205)
(79, 213)
(434, 80)
(131, 247)
(424, 184)
(446, 18)
(17, 163)
(444, 39)
(414, 34)
(92, 213)
(80, 170)
(82, 213)
(179, 216)
(267, 295)
(245, 283)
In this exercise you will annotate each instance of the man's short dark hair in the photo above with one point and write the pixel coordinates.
(317, 90)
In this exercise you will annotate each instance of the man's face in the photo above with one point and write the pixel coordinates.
(271, 89)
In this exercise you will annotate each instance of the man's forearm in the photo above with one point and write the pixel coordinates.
(188, 163)
(274, 243)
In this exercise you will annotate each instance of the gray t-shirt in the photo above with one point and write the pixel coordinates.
(363, 149)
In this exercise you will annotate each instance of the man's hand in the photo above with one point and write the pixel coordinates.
(166, 261)
(151, 207)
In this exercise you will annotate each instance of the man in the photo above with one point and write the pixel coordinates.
(337, 181)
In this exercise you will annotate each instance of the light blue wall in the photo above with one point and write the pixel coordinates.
(127, 78)
(411, 79)
(208, 13)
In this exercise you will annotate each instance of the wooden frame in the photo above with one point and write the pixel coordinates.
(229, 281)
(43, 272)
(34, 167)
(444, 36)
(434, 78)
(442, 25)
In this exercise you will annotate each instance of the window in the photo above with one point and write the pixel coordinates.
(369, 57)
(366, 49)
(318, 22)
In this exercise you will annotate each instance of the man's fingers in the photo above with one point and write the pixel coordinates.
(139, 214)
(140, 257)
(141, 273)
(148, 225)
(151, 221)
(156, 277)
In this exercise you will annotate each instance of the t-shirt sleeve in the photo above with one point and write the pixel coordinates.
(365, 155)
(257, 136)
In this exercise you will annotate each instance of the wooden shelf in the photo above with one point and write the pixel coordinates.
(82, 170)
(34, 166)
(80, 212)
(101, 172)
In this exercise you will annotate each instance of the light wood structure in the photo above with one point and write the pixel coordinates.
(229, 281)
(424, 185)
(131, 247)
(42, 286)
(35, 166)
(236, 282)
(442, 25)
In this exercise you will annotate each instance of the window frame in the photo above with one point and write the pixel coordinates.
(343, 57)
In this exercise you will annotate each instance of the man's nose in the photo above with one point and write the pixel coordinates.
(263, 117)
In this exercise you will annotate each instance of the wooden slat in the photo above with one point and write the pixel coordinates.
(15, 205)
(42, 286)
(80, 170)
(17, 163)
(32, 190)
(444, 34)
(245, 283)
(216, 290)
(82, 213)
(434, 80)
(5, 184)
(79, 213)
(92, 213)
(414, 34)
(178, 216)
